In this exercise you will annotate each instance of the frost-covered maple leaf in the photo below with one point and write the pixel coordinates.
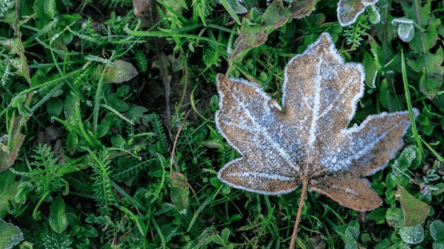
(308, 143)
(349, 10)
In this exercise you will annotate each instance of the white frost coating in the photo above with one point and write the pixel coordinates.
(12, 235)
(367, 182)
(406, 32)
(221, 97)
(374, 79)
(258, 128)
(344, 163)
(317, 105)
(327, 110)
(350, 191)
(249, 189)
(355, 100)
(264, 176)
(415, 114)
(257, 119)
(333, 51)
(328, 72)
(276, 106)
(374, 16)
(343, 12)
(397, 21)
(266, 99)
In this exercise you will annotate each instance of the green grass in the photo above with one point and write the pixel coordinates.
(96, 167)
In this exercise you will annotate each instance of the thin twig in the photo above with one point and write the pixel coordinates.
(175, 142)
(298, 216)
(174, 149)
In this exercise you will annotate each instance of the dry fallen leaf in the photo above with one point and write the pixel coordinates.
(8, 155)
(9, 152)
(275, 16)
(140, 6)
(309, 143)
(349, 10)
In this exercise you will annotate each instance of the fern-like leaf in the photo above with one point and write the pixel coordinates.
(102, 187)
(203, 8)
(44, 175)
(211, 56)
(355, 32)
(81, 183)
(142, 62)
(124, 172)
(158, 129)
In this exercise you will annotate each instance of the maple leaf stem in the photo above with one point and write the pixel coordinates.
(298, 216)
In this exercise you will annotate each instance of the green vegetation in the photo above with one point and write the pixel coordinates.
(108, 137)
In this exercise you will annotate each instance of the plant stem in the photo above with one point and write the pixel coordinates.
(298, 216)
(421, 36)
(175, 143)
(409, 105)
(36, 208)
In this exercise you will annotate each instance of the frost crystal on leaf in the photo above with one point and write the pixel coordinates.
(373, 14)
(310, 140)
(406, 30)
(349, 10)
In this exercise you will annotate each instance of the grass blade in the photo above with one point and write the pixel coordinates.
(204, 204)
(409, 105)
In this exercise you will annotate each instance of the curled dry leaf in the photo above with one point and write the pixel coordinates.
(140, 6)
(309, 141)
(349, 10)
(275, 16)
(9, 152)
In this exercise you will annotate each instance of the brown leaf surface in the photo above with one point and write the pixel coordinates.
(140, 6)
(310, 140)
(146, 11)
(349, 10)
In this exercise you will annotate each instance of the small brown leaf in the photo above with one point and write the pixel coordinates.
(178, 180)
(20, 63)
(147, 12)
(310, 140)
(9, 152)
(250, 37)
(349, 10)
(275, 16)
(180, 192)
(8, 155)
(140, 6)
